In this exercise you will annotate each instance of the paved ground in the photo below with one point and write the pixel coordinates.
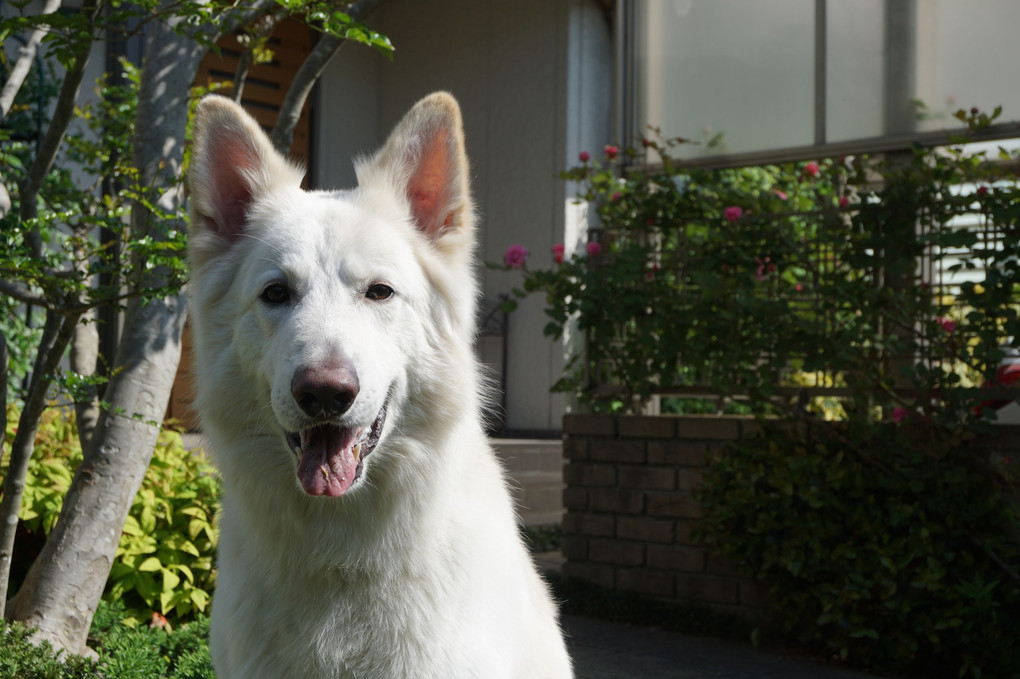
(603, 650)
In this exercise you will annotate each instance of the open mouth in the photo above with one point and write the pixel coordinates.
(330, 457)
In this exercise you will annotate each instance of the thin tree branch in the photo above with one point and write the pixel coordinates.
(307, 75)
(22, 295)
(54, 137)
(26, 55)
(5, 198)
(262, 29)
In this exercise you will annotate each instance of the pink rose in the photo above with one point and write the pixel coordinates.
(843, 201)
(583, 156)
(557, 251)
(611, 151)
(948, 324)
(593, 249)
(781, 194)
(982, 190)
(615, 197)
(732, 213)
(515, 256)
(812, 168)
(899, 414)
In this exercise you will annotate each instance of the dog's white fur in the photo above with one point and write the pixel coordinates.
(417, 570)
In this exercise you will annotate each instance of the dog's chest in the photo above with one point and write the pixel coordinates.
(358, 625)
(427, 625)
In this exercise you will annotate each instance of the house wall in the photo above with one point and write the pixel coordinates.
(534, 80)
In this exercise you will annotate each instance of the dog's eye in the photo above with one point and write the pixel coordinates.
(275, 293)
(379, 292)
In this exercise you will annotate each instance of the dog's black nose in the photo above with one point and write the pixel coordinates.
(325, 391)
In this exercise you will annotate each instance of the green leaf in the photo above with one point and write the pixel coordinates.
(170, 580)
(150, 565)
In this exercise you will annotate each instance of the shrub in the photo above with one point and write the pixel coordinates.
(164, 561)
(165, 557)
(129, 652)
(22, 659)
(122, 652)
(891, 546)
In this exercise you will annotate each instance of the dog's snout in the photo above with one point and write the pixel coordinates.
(325, 391)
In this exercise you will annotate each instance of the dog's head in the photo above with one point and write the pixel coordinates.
(315, 312)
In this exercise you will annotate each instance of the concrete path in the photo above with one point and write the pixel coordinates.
(603, 650)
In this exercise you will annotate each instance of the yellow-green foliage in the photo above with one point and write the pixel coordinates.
(164, 562)
(56, 456)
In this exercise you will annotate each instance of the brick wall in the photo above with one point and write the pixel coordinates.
(630, 509)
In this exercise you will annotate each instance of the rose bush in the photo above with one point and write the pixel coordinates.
(746, 280)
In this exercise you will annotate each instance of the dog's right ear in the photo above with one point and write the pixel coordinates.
(232, 161)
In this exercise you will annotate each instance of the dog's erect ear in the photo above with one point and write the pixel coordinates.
(424, 162)
(232, 161)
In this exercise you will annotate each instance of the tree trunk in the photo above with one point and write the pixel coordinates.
(84, 355)
(56, 335)
(3, 391)
(66, 581)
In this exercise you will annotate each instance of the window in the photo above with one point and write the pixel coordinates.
(793, 79)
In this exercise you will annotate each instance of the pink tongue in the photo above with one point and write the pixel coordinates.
(327, 465)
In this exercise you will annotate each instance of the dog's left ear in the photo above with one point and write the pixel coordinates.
(424, 162)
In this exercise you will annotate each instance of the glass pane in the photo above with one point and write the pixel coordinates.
(854, 61)
(961, 59)
(967, 57)
(742, 68)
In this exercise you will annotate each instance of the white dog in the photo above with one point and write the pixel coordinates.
(367, 530)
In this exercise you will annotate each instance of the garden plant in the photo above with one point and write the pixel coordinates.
(866, 311)
(163, 569)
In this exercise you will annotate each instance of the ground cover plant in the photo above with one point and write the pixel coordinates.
(122, 652)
